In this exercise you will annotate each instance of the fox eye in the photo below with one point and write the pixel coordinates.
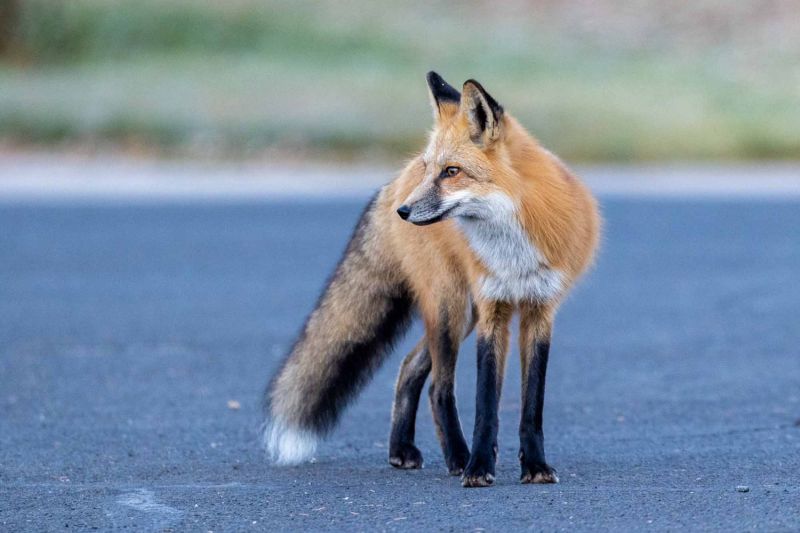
(449, 172)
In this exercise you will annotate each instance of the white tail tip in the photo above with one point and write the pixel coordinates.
(288, 445)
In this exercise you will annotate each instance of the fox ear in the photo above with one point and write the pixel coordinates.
(441, 93)
(483, 114)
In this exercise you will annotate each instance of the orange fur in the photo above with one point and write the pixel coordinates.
(556, 210)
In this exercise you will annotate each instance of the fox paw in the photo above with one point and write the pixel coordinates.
(479, 473)
(538, 473)
(457, 463)
(405, 456)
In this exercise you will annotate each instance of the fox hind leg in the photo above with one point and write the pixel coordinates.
(444, 335)
(413, 373)
(403, 453)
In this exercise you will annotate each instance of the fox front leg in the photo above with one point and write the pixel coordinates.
(535, 330)
(493, 322)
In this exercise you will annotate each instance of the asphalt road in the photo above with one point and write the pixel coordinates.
(125, 330)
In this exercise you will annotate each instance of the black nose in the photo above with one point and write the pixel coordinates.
(404, 211)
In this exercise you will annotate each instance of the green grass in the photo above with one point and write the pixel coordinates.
(250, 76)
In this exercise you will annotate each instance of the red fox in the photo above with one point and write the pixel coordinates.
(482, 224)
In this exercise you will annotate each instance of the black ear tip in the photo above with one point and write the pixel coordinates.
(435, 82)
(476, 84)
(497, 109)
(441, 90)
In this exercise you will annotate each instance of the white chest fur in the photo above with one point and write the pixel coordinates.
(517, 270)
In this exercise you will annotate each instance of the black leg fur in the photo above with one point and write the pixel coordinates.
(494, 319)
(480, 471)
(443, 400)
(413, 373)
(531, 435)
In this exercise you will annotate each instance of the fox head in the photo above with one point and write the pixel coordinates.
(464, 157)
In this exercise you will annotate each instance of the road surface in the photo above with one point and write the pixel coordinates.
(129, 332)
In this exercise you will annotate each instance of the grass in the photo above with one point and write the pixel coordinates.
(242, 77)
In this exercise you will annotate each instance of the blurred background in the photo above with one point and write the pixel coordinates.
(595, 80)
(179, 177)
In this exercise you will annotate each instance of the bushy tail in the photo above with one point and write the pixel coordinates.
(361, 313)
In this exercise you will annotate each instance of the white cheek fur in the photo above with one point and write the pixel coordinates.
(518, 271)
(454, 199)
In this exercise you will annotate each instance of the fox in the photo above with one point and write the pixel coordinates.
(484, 223)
